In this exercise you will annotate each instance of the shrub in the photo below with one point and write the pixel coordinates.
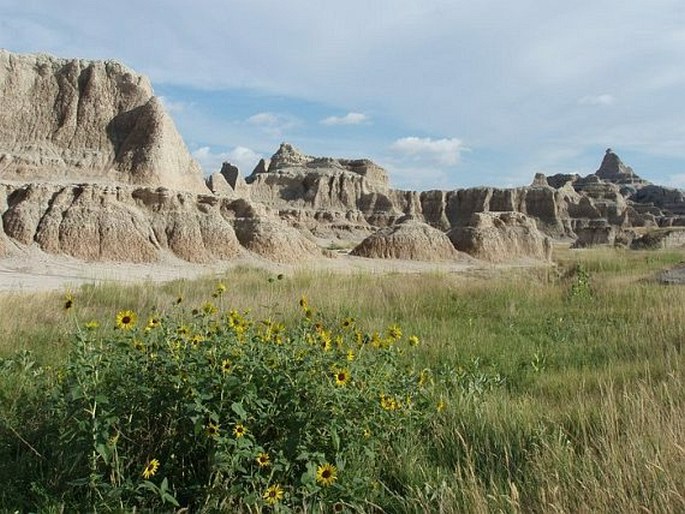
(211, 409)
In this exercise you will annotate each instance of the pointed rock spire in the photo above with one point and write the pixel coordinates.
(613, 170)
(288, 156)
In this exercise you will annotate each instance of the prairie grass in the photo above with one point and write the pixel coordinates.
(563, 388)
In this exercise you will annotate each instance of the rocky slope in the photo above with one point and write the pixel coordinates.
(500, 237)
(328, 196)
(87, 121)
(91, 166)
(97, 222)
(408, 240)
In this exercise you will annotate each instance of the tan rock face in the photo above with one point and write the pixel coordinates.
(228, 182)
(408, 240)
(274, 240)
(123, 223)
(295, 180)
(500, 237)
(87, 121)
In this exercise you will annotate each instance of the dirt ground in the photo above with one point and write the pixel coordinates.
(32, 270)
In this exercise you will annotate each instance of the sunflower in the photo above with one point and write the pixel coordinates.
(92, 325)
(212, 429)
(350, 355)
(342, 377)
(239, 430)
(347, 323)
(303, 302)
(440, 406)
(225, 366)
(414, 340)
(220, 289)
(68, 301)
(394, 332)
(153, 322)
(389, 403)
(273, 494)
(209, 308)
(150, 469)
(263, 460)
(326, 474)
(126, 320)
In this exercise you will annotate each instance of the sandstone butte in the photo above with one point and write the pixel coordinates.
(92, 166)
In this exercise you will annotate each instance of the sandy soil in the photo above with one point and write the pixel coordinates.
(31, 270)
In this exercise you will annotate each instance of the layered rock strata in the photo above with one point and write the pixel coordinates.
(409, 240)
(122, 223)
(500, 237)
(326, 196)
(87, 121)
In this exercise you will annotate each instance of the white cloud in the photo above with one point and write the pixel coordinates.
(604, 99)
(677, 181)
(444, 151)
(351, 118)
(173, 106)
(244, 158)
(272, 124)
(268, 119)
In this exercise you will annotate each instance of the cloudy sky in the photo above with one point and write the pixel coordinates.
(443, 93)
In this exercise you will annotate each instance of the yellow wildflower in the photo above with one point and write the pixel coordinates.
(273, 494)
(150, 469)
(126, 320)
(326, 474)
(342, 377)
(239, 430)
(263, 460)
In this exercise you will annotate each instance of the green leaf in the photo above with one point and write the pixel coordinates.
(239, 410)
(103, 452)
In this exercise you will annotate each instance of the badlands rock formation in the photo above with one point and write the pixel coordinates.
(87, 121)
(120, 223)
(327, 196)
(91, 166)
(324, 195)
(500, 237)
(409, 240)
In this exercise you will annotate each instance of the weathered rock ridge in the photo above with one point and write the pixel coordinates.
(500, 237)
(409, 240)
(330, 196)
(123, 223)
(87, 121)
(92, 166)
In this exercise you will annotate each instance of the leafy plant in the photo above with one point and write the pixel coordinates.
(212, 409)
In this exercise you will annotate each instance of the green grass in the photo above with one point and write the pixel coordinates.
(572, 401)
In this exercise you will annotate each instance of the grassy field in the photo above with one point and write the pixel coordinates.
(561, 390)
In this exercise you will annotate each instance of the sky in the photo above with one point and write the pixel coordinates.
(442, 93)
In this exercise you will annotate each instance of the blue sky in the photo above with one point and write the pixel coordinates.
(443, 93)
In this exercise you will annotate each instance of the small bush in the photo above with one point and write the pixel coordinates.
(581, 286)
